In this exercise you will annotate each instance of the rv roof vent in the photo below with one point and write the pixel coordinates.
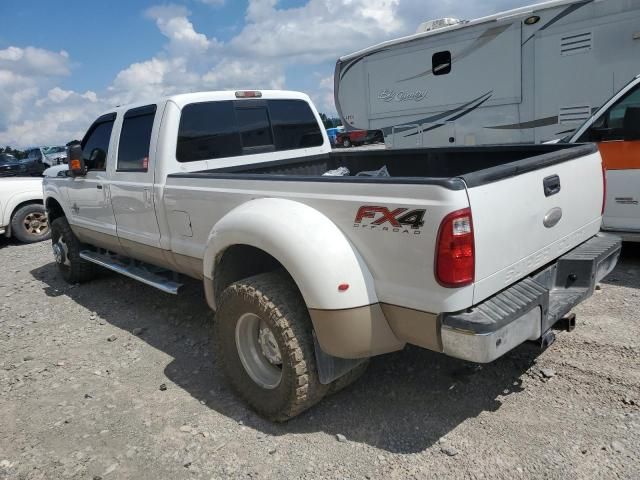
(439, 23)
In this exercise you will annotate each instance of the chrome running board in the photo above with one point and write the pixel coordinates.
(137, 271)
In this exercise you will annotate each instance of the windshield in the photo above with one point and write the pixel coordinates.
(50, 150)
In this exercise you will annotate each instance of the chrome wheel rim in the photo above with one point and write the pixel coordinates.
(35, 223)
(258, 351)
(61, 252)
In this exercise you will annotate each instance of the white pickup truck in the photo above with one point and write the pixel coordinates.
(465, 251)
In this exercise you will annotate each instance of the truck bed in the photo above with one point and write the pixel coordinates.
(442, 166)
(511, 192)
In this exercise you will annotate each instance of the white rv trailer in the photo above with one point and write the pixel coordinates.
(526, 75)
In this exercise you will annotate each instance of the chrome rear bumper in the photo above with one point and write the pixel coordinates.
(529, 308)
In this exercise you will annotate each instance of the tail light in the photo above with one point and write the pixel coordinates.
(604, 188)
(455, 255)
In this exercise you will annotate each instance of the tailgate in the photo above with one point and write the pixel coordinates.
(528, 213)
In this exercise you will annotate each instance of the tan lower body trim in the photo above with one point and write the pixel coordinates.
(413, 326)
(354, 333)
(373, 330)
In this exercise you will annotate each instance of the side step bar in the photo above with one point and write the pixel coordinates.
(136, 272)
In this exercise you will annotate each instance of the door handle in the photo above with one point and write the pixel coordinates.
(551, 185)
(147, 197)
(99, 187)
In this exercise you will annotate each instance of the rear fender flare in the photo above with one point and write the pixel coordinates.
(307, 244)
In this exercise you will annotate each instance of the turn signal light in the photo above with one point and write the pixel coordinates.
(74, 164)
(455, 254)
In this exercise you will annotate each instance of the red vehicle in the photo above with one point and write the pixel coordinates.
(358, 137)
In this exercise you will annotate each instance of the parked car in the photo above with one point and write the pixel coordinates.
(47, 156)
(358, 137)
(464, 251)
(11, 166)
(22, 213)
(332, 133)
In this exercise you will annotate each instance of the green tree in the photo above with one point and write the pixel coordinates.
(330, 122)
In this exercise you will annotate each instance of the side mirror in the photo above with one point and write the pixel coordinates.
(631, 125)
(76, 162)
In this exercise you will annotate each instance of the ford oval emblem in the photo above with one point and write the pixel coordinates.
(552, 217)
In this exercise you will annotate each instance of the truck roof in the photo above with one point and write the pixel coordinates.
(508, 14)
(211, 96)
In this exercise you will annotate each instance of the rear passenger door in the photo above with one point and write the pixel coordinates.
(132, 182)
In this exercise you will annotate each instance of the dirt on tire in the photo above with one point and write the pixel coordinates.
(274, 298)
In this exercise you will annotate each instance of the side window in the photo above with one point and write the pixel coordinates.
(255, 130)
(208, 130)
(95, 144)
(441, 63)
(615, 116)
(294, 125)
(135, 138)
(614, 124)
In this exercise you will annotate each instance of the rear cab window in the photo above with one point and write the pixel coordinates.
(230, 128)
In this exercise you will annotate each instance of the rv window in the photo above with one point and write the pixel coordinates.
(441, 63)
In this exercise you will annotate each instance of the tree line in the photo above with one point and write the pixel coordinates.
(330, 122)
(13, 151)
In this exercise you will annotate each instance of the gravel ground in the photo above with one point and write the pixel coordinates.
(114, 380)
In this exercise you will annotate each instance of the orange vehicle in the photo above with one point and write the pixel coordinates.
(615, 127)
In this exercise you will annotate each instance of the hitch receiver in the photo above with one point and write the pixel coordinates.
(567, 323)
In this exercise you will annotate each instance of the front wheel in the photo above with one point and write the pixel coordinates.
(346, 143)
(263, 338)
(29, 224)
(66, 251)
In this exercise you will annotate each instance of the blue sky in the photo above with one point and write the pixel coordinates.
(64, 61)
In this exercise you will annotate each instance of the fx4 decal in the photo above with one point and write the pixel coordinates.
(399, 219)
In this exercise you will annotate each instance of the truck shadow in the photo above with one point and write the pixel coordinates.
(405, 402)
(627, 272)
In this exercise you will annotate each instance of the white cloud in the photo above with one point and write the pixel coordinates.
(24, 72)
(319, 31)
(232, 74)
(173, 22)
(34, 61)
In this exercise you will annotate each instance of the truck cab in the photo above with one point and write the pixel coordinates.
(615, 127)
(115, 201)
